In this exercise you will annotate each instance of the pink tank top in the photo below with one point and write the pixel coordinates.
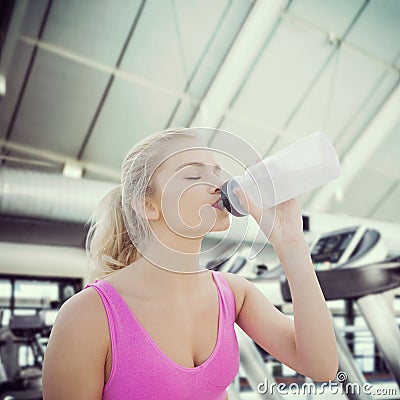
(140, 370)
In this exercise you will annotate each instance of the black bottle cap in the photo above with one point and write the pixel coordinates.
(227, 203)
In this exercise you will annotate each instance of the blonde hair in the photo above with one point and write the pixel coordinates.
(110, 246)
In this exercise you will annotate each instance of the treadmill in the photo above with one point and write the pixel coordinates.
(22, 382)
(347, 268)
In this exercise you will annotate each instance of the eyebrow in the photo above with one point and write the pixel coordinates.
(200, 164)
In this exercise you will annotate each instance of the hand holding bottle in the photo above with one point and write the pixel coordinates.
(282, 224)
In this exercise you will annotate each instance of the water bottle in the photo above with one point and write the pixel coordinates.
(298, 168)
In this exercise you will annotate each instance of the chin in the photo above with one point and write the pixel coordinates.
(221, 226)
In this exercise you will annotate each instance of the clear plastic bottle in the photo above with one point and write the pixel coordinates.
(298, 168)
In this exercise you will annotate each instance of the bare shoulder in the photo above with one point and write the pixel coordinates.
(77, 348)
(85, 312)
(90, 300)
(84, 304)
(238, 285)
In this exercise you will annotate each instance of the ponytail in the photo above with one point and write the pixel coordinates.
(117, 230)
(108, 245)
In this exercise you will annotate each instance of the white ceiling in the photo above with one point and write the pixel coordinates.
(90, 78)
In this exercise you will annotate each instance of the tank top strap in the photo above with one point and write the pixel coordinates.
(109, 301)
(118, 320)
(228, 298)
(113, 303)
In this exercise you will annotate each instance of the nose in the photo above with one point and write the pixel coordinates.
(217, 190)
(216, 184)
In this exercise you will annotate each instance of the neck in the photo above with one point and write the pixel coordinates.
(173, 252)
(163, 282)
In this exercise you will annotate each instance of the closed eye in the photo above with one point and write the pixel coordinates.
(194, 177)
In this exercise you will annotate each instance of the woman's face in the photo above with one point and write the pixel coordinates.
(187, 185)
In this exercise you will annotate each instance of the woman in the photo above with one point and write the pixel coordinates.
(156, 325)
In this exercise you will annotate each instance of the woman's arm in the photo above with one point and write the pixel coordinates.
(308, 343)
(75, 354)
(314, 334)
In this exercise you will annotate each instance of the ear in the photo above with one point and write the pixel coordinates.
(151, 211)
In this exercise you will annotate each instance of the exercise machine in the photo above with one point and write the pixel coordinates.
(343, 273)
(22, 382)
(341, 249)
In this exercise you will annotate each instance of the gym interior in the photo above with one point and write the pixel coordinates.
(82, 81)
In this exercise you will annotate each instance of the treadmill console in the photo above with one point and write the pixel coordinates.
(343, 246)
(331, 248)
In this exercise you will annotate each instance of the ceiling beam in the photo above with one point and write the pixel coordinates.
(99, 66)
(380, 127)
(113, 174)
(240, 59)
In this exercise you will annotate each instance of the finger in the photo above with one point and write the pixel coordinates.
(238, 192)
(241, 196)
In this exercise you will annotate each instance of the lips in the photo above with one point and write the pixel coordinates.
(218, 204)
